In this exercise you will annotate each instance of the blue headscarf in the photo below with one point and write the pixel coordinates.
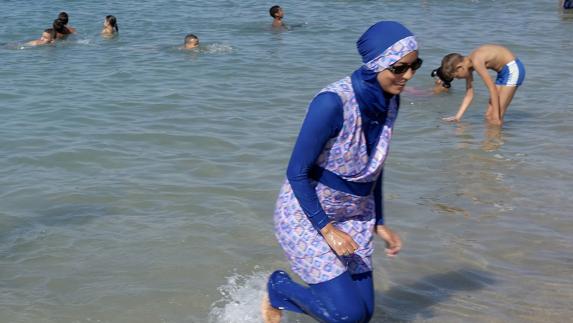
(382, 45)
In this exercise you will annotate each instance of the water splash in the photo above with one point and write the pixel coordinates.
(241, 299)
(217, 49)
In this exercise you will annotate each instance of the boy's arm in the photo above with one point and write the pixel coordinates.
(494, 115)
(468, 98)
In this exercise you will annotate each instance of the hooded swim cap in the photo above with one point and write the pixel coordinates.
(385, 43)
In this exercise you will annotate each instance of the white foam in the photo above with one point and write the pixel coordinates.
(240, 299)
(218, 49)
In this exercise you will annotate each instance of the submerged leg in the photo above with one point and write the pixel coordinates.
(342, 299)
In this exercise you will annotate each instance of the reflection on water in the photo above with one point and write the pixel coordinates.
(493, 138)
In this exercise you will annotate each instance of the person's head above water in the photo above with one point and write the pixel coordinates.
(63, 17)
(59, 29)
(276, 12)
(110, 23)
(191, 41)
(46, 38)
(389, 54)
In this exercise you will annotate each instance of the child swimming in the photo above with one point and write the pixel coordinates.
(64, 18)
(110, 27)
(277, 13)
(48, 37)
(510, 75)
(191, 41)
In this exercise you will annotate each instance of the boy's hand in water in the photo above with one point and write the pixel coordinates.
(393, 241)
(339, 241)
(451, 119)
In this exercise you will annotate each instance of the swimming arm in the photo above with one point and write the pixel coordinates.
(322, 122)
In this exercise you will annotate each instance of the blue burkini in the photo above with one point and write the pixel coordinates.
(348, 296)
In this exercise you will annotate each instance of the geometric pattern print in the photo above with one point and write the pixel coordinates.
(308, 253)
(346, 154)
(392, 54)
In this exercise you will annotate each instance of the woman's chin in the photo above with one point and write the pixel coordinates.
(396, 89)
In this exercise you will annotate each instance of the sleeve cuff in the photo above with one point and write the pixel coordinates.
(319, 221)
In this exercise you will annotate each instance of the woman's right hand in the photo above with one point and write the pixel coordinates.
(339, 241)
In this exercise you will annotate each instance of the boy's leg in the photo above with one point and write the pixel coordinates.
(506, 94)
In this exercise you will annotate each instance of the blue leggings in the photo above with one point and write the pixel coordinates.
(346, 298)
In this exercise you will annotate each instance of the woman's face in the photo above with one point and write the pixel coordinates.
(395, 83)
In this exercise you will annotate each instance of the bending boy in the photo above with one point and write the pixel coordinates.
(510, 75)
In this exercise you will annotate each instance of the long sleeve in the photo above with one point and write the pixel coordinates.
(323, 121)
(379, 200)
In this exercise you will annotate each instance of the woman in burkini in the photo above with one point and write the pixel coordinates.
(330, 205)
(110, 27)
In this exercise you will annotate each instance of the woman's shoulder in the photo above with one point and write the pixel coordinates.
(342, 87)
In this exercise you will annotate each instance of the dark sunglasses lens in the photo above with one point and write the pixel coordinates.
(400, 69)
(417, 64)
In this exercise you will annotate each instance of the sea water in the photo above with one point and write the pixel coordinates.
(138, 180)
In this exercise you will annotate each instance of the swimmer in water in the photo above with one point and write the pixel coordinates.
(110, 27)
(277, 13)
(191, 41)
(64, 18)
(567, 4)
(49, 36)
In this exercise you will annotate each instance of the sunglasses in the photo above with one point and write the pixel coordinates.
(403, 68)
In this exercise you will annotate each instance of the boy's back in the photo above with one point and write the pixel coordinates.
(494, 57)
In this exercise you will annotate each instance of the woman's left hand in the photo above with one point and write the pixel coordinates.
(393, 241)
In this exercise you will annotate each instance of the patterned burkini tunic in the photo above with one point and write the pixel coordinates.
(346, 156)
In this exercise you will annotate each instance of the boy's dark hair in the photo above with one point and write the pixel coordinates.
(112, 22)
(449, 64)
(190, 37)
(446, 82)
(63, 17)
(59, 28)
(273, 11)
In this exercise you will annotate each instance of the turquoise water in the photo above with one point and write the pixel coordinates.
(137, 181)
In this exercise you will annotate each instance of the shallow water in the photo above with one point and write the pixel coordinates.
(137, 181)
